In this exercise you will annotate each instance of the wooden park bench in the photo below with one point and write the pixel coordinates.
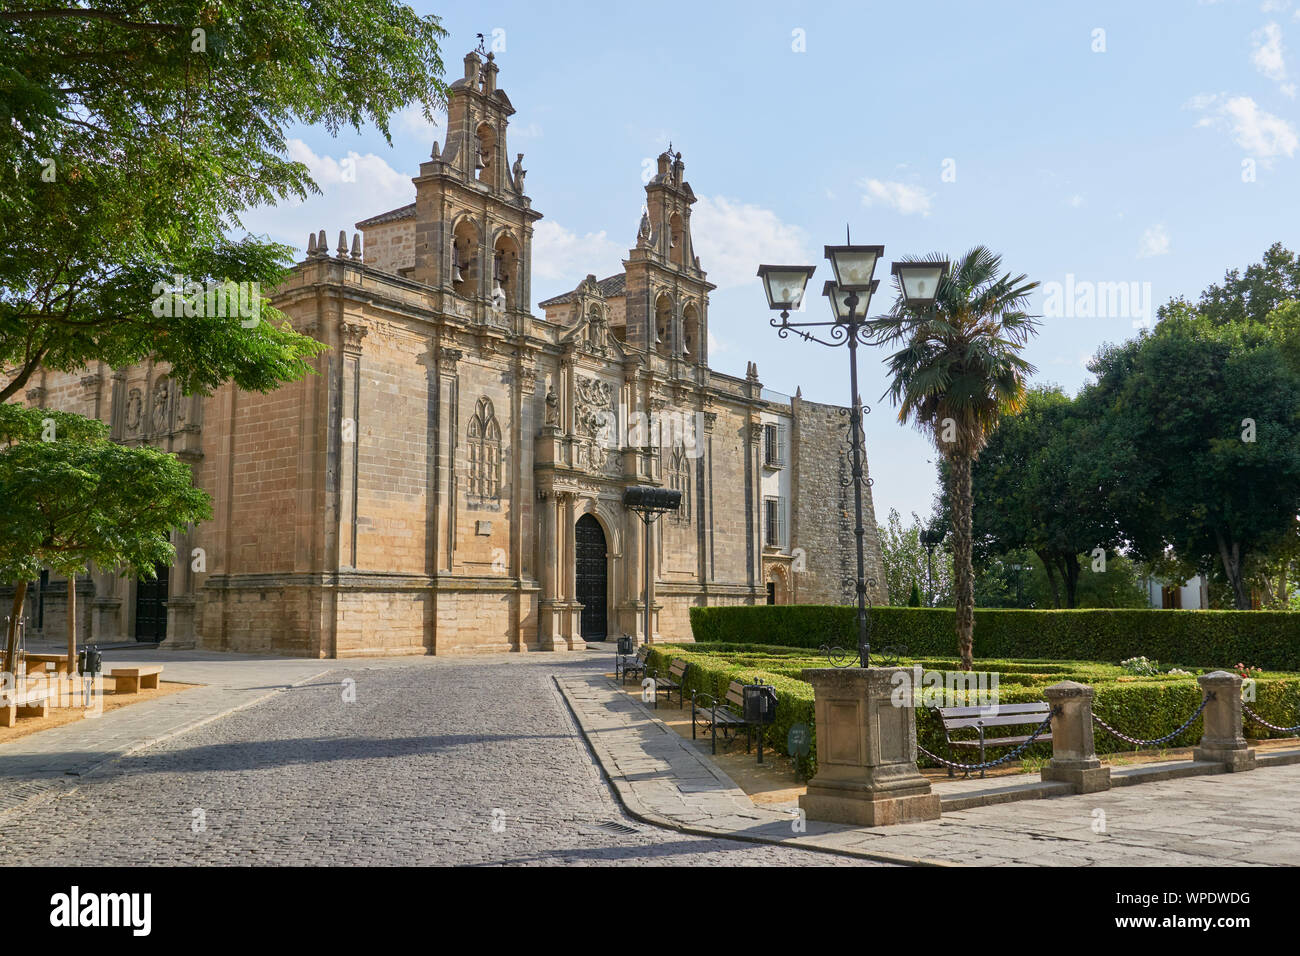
(674, 680)
(980, 718)
(729, 714)
(41, 662)
(631, 664)
(29, 702)
(130, 680)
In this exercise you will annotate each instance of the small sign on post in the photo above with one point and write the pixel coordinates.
(797, 742)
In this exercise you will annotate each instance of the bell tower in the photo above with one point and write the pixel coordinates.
(667, 292)
(473, 221)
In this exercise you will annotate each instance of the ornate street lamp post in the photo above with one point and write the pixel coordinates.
(930, 538)
(854, 267)
(649, 503)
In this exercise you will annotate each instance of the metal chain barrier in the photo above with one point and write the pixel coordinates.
(1264, 723)
(990, 763)
(1139, 742)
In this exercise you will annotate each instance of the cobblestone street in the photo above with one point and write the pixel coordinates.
(409, 773)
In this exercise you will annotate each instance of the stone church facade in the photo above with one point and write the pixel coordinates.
(450, 481)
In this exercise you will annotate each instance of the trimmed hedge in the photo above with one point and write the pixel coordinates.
(1145, 707)
(1267, 639)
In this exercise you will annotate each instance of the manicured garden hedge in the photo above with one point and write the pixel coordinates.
(1267, 639)
(1145, 707)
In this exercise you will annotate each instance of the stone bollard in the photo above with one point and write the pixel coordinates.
(1074, 758)
(866, 750)
(1223, 742)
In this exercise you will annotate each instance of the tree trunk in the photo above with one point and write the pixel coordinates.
(1231, 556)
(11, 638)
(1070, 571)
(1046, 558)
(72, 624)
(963, 573)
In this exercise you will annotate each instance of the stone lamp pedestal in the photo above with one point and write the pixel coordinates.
(1223, 742)
(866, 750)
(1074, 757)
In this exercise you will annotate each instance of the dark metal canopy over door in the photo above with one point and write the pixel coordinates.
(592, 580)
(151, 606)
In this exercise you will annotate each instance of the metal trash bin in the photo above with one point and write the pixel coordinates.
(89, 660)
(760, 709)
(625, 645)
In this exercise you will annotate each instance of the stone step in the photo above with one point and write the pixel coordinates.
(1035, 790)
(1277, 758)
(1167, 770)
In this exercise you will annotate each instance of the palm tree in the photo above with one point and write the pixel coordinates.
(958, 371)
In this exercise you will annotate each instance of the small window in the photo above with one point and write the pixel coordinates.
(774, 444)
(773, 522)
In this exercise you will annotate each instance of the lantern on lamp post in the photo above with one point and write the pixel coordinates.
(850, 297)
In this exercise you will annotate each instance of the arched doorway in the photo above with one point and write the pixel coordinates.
(592, 579)
(778, 590)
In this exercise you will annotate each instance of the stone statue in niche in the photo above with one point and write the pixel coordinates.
(596, 331)
(134, 409)
(161, 393)
(519, 173)
(552, 407)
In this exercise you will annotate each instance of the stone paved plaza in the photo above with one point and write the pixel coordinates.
(408, 774)
(412, 771)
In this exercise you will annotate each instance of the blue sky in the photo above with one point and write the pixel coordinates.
(1162, 151)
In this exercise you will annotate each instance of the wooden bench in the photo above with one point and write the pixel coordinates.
(1003, 715)
(672, 682)
(41, 662)
(31, 702)
(708, 711)
(634, 664)
(130, 680)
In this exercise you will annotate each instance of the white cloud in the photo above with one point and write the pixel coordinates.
(1269, 56)
(900, 197)
(1155, 242)
(733, 237)
(353, 187)
(563, 256)
(1075, 201)
(1255, 130)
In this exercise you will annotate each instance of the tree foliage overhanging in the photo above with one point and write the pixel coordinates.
(134, 133)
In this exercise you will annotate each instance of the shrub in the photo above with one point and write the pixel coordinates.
(1145, 707)
(1268, 639)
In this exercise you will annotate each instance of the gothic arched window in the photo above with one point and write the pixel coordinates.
(484, 454)
(679, 479)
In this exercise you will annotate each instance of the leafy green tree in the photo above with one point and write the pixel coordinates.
(907, 563)
(1033, 489)
(1008, 580)
(1198, 443)
(958, 371)
(914, 596)
(1251, 296)
(135, 132)
(73, 498)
